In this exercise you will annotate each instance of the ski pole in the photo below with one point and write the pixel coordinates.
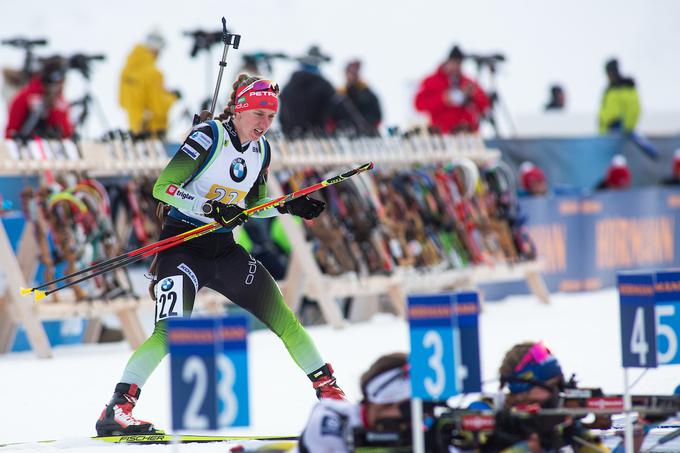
(125, 262)
(151, 249)
(118, 258)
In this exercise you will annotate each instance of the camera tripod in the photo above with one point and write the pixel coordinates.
(497, 102)
(88, 102)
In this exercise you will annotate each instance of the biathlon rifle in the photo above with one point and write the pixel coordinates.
(493, 430)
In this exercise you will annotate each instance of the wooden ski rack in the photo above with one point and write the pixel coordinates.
(304, 276)
(33, 159)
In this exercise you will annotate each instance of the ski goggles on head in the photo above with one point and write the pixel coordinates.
(259, 85)
(389, 387)
(536, 368)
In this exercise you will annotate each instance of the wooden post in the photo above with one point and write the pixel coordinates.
(537, 285)
(132, 328)
(24, 307)
(397, 297)
(8, 326)
(93, 331)
(28, 250)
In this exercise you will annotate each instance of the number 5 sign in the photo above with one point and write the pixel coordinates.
(638, 332)
(433, 369)
(208, 372)
(667, 316)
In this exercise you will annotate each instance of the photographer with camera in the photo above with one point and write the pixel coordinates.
(342, 426)
(39, 108)
(142, 92)
(454, 102)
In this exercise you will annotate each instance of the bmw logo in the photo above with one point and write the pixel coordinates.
(238, 169)
(167, 284)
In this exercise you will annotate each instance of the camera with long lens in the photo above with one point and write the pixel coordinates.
(24, 43)
(203, 40)
(487, 60)
(19, 77)
(79, 62)
(82, 62)
(257, 60)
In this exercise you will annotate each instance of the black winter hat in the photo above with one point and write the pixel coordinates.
(612, 66)
(456, 53)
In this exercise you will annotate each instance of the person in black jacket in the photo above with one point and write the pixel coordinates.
(362, 113)
(308, 101)
(557, 99)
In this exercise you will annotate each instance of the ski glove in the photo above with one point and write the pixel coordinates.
(227, 215)
(305, 207)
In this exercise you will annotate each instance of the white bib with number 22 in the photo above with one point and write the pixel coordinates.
(169, 300)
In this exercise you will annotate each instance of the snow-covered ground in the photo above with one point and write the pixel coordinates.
(62, 397)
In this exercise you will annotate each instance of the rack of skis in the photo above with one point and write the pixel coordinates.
(437, 212)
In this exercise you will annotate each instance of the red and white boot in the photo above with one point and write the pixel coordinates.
(117, 419)
(325, 385)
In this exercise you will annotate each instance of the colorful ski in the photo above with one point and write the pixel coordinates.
(165, 438)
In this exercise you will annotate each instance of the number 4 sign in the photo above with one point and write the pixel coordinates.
(638, 329)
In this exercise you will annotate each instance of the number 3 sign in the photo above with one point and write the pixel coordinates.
(433, 365)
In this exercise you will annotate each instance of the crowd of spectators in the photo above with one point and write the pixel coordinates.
(310, 105)
(452, 101)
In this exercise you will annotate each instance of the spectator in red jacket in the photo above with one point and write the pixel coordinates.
(39, 108)
(454, 102)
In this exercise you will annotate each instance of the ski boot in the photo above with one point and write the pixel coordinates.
(116, 418)
(325, 385)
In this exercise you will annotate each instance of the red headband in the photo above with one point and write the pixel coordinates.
(261, 94)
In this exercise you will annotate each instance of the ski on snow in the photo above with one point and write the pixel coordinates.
(165, 438)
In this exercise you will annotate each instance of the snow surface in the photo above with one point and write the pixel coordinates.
(400, 42)
(61, 398)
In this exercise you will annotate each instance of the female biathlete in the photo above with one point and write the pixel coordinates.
(220, 167)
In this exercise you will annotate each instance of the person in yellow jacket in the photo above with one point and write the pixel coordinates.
(620, 107)
(142, 93)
